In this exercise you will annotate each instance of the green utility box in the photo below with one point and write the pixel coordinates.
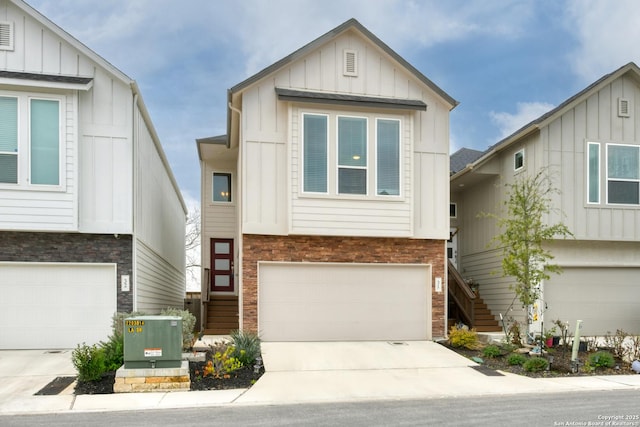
(152, 342)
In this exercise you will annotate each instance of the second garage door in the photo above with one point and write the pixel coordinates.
(604, 298)
(61, 305)
(343, 302)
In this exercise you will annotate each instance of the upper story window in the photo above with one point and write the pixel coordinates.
(622, 175)
(31, 146)
(518, 160)
(221, 187)
(365, 155)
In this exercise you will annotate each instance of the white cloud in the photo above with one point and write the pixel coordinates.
(526, 112)
(607, 33)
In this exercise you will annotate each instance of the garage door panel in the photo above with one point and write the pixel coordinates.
(605, 299)
(55, 305)
(319, 302)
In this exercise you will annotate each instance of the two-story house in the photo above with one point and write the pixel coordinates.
(590, 148)
(325, 207)
(91, 218)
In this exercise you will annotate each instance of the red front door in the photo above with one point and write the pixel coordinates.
(222, 265)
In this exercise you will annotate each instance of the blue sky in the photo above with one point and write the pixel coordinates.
(506, 62)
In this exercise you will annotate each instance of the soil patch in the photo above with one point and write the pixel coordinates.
(560, 364)
(56, 386)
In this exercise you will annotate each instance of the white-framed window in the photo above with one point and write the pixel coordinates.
(351, 155)
(623, 174)
(315, 152)
(518, 160)
(593, 172)
(453, 210)
(221, 187)
(352, 143)
(31, 142)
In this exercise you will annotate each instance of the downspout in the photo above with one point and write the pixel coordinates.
(238, 270)
(134, 240)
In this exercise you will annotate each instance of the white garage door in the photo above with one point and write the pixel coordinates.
(343, 302)
(604, 298)
(55, 305)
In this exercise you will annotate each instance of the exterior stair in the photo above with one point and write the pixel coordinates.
(222, 315)
(484, 320)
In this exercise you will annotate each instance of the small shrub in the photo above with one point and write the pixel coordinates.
(113, 350)
(222, 362)
(491, 351)
(616, 342)
(535, 364)
(601, 359)
(247, 346)
(463, 337)
(188, 324)
(89, 362)
(516, 359)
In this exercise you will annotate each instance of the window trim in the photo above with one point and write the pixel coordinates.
(376, 145)
(515, 160)
(301, 149)
(620, 179)
(455, 210)
(599, 175)
(366, 167)
(24, 142)
(231, 196)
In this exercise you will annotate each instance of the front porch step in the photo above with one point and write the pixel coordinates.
(222, 315)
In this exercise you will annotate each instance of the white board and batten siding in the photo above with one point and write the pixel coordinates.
(565, 143)
(160, 229)
(272, 203)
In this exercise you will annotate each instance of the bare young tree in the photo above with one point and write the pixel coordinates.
(192, 246)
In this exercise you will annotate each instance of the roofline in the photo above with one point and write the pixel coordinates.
(351, 23)
(211, 140)
(156, 141)
(549, 116)
(71, 40)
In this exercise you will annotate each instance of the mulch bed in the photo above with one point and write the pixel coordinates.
(242, 378)
(560, 367)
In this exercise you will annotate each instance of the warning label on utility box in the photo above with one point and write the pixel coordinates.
(152, 352)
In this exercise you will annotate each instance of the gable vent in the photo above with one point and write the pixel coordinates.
(350, 63)
(623, 107)
(6, 35)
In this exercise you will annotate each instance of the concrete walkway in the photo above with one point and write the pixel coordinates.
(297, 373)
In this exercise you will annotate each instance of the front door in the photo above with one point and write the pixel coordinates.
(222, 265)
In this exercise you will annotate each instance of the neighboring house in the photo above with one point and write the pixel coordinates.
(324, 208)
(91, 218)
(590, 146)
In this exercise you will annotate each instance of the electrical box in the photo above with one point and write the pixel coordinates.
(152, 342)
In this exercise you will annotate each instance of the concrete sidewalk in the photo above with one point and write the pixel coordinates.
(296, 373)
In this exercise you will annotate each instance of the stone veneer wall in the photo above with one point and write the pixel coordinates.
(73, 247)
(340, 249)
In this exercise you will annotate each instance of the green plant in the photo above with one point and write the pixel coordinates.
(247, 346)
(113, 350)
(89, 362)
(600, 359)
(491, 351)
(516, 359)
(535, 364)
(463, 337)
(188, 324)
